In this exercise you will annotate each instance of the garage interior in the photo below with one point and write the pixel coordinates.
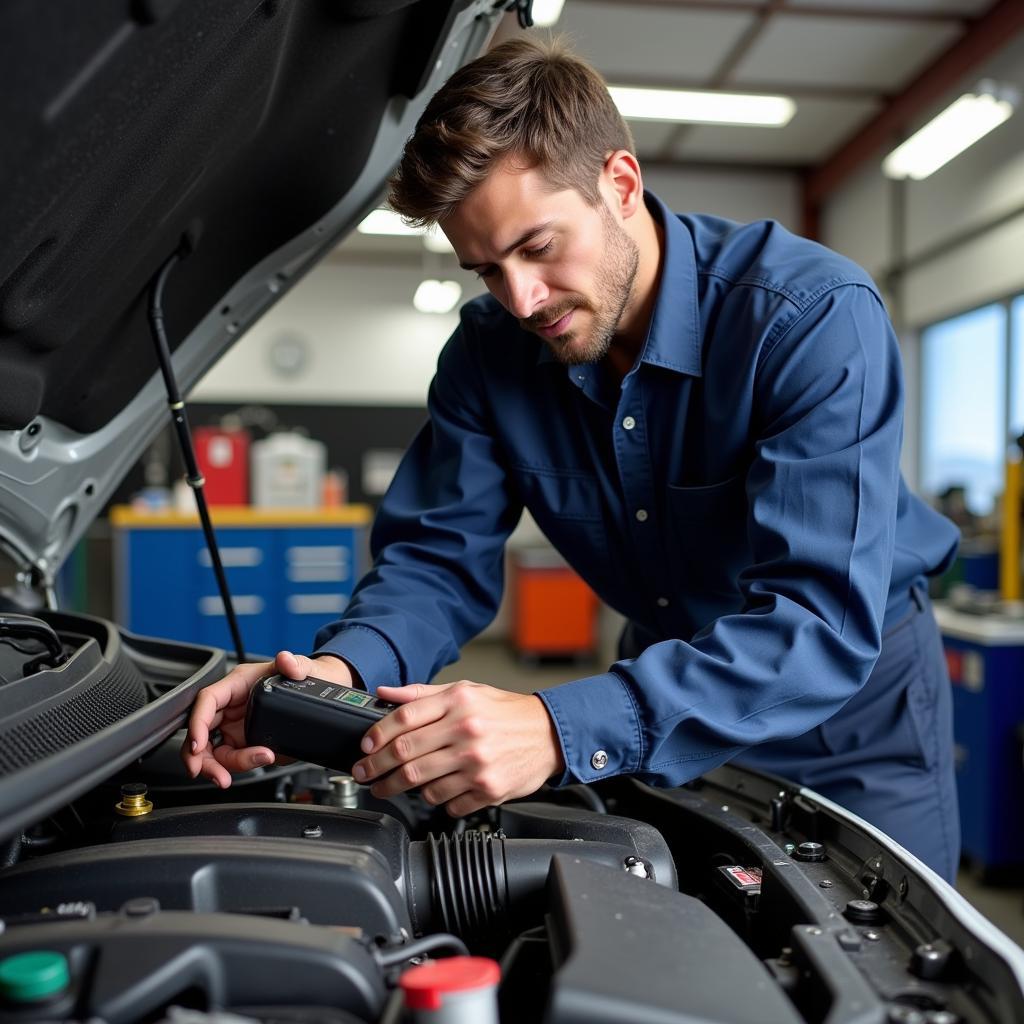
(313, 405)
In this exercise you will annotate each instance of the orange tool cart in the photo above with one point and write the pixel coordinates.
(554, 613)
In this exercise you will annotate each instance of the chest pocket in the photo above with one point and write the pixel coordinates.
(566, 504)
(707, 533)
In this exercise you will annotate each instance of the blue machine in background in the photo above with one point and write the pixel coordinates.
(985, 656)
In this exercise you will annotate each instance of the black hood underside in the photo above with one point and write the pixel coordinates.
(129, 127)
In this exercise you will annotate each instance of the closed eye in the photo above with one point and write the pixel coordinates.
(489, 271)
(539, 252)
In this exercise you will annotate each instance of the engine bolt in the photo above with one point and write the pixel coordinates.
(863, 911)
(810, 852)
(635, 866)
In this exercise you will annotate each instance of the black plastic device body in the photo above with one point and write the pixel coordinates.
(311, 719)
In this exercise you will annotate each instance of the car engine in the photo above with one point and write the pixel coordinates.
(297, 896)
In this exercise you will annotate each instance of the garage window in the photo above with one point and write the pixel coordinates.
(964, 402)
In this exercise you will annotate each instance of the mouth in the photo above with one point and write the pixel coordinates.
(553, 330)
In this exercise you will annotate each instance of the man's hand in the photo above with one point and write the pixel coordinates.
(221, 705)
(465, 744)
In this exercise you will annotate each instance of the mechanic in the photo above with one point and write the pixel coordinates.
(705, 419)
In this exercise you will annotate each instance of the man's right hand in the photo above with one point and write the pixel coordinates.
(221, 705)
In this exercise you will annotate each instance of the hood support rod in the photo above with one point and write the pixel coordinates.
(179, 417)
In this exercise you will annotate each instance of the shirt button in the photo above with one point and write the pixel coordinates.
(641, 515)
(599, 761)
(662, 602)
(628, 423)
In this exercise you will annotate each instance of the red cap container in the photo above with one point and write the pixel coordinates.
(454, 990)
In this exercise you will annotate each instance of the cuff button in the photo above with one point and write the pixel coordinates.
(599, 761)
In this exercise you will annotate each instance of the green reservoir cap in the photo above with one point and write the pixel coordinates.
(28, 977)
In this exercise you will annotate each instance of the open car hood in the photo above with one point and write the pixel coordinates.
(252, 134)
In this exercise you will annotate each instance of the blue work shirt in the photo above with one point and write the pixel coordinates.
(737, 497)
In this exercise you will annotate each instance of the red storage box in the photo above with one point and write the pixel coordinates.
(223, 457)
(554, 613)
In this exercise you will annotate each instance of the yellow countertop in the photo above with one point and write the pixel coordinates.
(124, 516)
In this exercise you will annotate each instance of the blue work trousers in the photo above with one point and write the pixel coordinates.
(888, 754)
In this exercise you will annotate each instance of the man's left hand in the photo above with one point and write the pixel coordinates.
(463, 744)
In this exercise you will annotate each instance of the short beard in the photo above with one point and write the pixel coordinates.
(614, 280)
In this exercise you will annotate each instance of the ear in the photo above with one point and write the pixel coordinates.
(622, 183)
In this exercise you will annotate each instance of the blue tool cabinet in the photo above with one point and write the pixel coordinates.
(289, 573)
(985, 656)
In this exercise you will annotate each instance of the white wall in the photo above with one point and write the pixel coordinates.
(856, 220)
(368, 346)
(979, 186)
(983, 183)
(742, 195)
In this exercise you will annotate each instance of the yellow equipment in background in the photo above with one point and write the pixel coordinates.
(1009, 544)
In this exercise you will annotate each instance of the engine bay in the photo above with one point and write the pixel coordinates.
(296, 895)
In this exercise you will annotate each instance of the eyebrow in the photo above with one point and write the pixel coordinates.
(525, 237)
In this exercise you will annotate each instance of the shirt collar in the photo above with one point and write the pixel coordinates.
(673, 338)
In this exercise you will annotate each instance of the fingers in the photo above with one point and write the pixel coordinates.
(210, 706)
(243, 760)
(219, 764)
(414, 691)
(298, 666)
(418, 771)
(457, 791)
(400, 723)
(210, 769)
(468, 803)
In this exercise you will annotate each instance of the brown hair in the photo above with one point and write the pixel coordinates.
(534, 101)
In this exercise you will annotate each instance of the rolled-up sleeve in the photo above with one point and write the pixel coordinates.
(437, 541)
(821, 485)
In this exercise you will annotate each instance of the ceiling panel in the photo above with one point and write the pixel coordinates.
(817, 128)
(651, 136)
(627, 39)
(843, 51)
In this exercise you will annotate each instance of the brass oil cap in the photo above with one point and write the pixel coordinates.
(133, 800)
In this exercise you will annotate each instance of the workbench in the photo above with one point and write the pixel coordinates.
(289, 572)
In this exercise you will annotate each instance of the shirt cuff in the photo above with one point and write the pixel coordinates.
(368, 653)
(598, 727)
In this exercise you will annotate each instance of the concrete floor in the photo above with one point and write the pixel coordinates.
(491, 661)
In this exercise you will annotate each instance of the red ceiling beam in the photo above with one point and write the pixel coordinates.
(986, 36)
(810, 9)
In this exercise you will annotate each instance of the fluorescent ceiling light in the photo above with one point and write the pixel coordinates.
(387, 222)
(437, 296)
(546, 12)
(435, 240)
(960, 125)
(702, 107)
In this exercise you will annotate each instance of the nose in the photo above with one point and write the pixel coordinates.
(525, 292)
